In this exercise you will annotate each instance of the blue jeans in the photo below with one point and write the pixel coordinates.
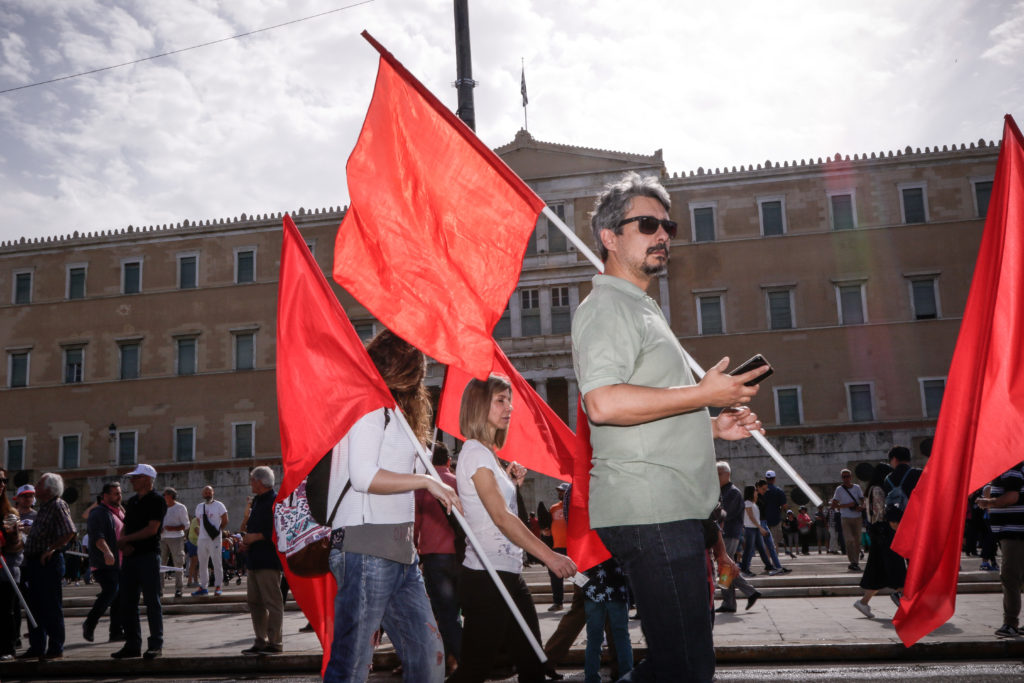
(140, 573)
(751, 540)
(617, 614)
(106, 577)
(440, 575)
(769, 543)
(373, 592)
(667, 569)
(45, 598)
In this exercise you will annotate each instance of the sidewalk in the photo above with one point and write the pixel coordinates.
(806, 616)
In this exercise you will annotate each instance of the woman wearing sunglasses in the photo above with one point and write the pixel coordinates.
(487, 489)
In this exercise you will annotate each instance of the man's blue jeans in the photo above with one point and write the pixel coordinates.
(616, 613)
(373, 592)
(667, 569)
(45, 598)
(440, 575)
(769, 543)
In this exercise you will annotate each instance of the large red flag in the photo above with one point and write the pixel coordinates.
(434, 238)
(325, 383)
(584, 546)
(978, 435)
(537, 438)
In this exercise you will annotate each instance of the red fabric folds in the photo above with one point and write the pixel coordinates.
(433, 241)
(537, 438)
(585, 548)
(978, 436)
(325, 383)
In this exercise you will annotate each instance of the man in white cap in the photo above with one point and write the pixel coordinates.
(24, 499)
(774, 501)
(140, 570)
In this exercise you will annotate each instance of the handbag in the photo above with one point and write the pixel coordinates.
(305, 544)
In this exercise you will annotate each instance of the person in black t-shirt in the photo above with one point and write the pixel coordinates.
(263, 583)
(140, 570)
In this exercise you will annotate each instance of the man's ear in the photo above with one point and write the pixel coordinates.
(608, 239)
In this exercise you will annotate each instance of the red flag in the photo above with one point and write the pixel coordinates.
(325, 383)
(537, 438)
(585, 547)
(434, 239)
(978, 435)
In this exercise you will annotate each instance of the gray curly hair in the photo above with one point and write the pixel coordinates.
(613, 203)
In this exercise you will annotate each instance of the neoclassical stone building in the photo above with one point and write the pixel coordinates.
(157, 344)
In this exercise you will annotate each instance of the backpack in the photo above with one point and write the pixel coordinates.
(896, 500)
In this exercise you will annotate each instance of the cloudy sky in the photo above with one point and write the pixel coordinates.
(265, 123)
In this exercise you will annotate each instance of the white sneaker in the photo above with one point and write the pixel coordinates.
(864, 609)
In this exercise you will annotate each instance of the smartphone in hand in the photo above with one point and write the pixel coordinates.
(752, 364)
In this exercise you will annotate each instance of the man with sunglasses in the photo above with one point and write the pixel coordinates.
(653, 482)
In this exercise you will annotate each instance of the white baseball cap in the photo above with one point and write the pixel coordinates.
(770, 474)
(142, 470)
(27, 488)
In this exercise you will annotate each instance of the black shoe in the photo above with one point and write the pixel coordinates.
(271, 649)
(854, 567)
(723, 609)
(551, 674)
(308, 628)
(53, 655)
(126, 653)
(555, 607)
(752, 599)
(177, 594)
(152, 653)
(253, 651)
(88, 630)
(30, 654)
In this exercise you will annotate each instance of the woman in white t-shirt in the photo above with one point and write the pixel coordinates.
(487, 490)
(752, 530)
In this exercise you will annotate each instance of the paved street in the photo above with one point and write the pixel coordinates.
(805, 623)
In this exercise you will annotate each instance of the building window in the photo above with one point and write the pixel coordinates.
(932, 389)
(22, 288)
(702, 216)
(17, 369)
(530, 300)
(531, 244)
(850, 300)
(710, 319)
(789, 409)
(861, 401)
(364, 331)
(780, 309)
(129, 360)
(245, 266)
(131, 277)
(14, 458)
(925, 299)
(913, 203)
(69, 452)
(982, 193)
(844, 215)
(560, 323)
(245, 343)
(186, 364)
(773, 217)
(76, 282)
(557, 241)
(188, 271)
(243, 446)
(74, 361)
(127, 448)
(503, 328)
(184, 444)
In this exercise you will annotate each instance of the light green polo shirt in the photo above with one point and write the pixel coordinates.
(659, 471)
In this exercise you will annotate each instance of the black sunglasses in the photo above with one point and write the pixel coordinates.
(648, 225)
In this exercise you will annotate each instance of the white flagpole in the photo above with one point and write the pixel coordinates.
(471, 537)
(694, 366)
(17, 591)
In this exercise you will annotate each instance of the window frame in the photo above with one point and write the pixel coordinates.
(708, 294)
(853, 208)
(924, 403)
(768, 291)
(799, 404)
(125, 262)
(238, 251)
(7, 453)
(61, 454)
(15, 274)
(11, 353)
(177, 355)
(562, 308)
(67, 281)
(863, 301)
(692, 208)
(192, 445)
(236, 337)
(135, 446)
(252, 440)
(181, 256)
(923, 277)
(916, 185)
(534, 313)
(560, 210)
(761, 201)
(870, 384)
(974, 194)
(81, 365)
(121, 345)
